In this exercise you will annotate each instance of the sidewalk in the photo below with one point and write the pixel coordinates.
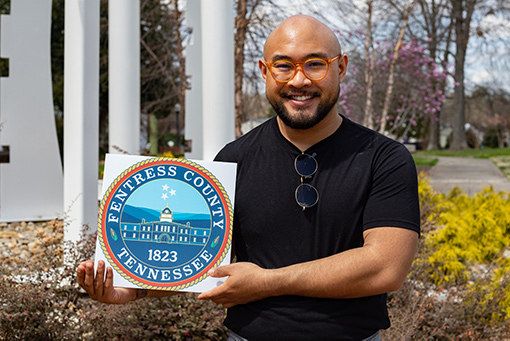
(470, 174)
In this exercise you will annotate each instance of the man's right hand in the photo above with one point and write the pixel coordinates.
(101, 289)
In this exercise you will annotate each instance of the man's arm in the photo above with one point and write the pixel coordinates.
(379, 266)
(101, 289)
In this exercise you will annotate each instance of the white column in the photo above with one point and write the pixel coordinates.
(194, 108)
(124, 76)
(217, 75)
(81, 115)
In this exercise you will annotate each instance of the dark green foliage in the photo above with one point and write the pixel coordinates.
(5, 6)
(57, 67)
(159, 63)
(493, 136)
(57, 53)
(4, 67)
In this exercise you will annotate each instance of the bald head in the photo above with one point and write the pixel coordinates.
(302, 29)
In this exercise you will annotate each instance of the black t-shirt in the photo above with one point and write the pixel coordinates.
(364, 179)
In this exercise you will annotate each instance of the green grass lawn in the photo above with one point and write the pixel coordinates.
(499, 156)
(485, 153)
(424, 160)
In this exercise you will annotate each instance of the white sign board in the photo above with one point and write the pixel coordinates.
(164, 223)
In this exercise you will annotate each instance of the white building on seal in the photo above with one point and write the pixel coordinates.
(165, 231)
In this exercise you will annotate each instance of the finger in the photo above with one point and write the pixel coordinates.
(227, 305)
(221, 271)
(108, 284)
(218, 295)
(222, 299)
(80, 274)
(88, 281)
(208, 295)
(205, 295)
(215, 293)
(99, 280)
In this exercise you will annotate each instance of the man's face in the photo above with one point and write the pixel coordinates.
(303, 108)
(302, 103)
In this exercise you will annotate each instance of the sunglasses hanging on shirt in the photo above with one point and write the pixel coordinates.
(306, 166)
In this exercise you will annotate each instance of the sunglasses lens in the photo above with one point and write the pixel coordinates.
(305, 165)
(306, 195)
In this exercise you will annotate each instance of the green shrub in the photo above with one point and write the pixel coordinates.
(492, 136)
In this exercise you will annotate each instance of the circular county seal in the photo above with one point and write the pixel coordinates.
(164, 223)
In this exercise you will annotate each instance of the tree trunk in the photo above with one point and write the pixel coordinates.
(244, 16)
(369, 69)
(393, 63)
(434, 129)
(183, 84)
(153, 134)
(435, 123)
(462, 25)
(433, 13)
(501, 136)
(240, 38)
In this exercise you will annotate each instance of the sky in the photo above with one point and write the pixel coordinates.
(491, 68)
(494, 67)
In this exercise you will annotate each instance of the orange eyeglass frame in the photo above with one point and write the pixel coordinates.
(296, 65)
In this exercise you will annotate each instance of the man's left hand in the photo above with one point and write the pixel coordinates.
(246, 283)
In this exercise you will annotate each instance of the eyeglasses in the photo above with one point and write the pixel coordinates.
(315, 69)
(306, 166)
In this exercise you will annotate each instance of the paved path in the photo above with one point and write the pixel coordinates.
(470, 174)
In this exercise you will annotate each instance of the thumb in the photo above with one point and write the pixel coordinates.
(221, 271)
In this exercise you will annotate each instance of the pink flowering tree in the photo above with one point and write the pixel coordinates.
(415, 99)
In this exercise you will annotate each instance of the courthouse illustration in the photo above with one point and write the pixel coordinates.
(165, 231)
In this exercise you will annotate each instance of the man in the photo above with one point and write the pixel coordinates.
(326, 217)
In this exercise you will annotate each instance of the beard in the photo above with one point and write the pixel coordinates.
(301, 120)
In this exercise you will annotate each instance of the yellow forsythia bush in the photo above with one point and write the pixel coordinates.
(168, 154)
(469, 241)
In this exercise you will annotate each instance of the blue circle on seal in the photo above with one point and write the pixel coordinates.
(164, 223)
